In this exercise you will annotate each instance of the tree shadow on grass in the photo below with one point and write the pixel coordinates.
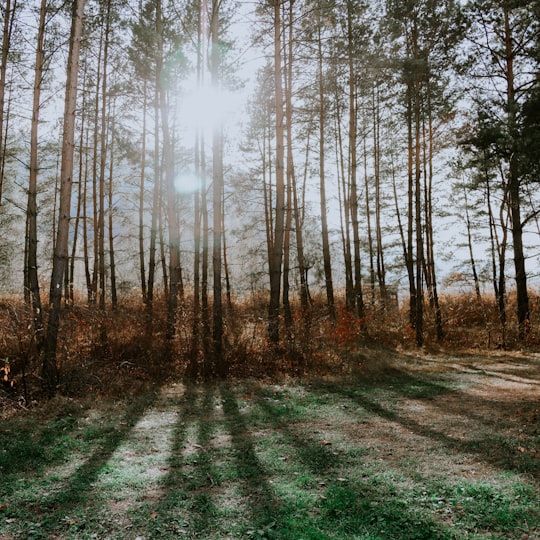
(261, 502)
(490, 445)
(27, 448)
(168, 515)
(49, 512)
(186, 505)
(190, 505)
(315, 454)
(350, 507)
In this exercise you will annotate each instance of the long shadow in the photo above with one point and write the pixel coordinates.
(51, 511)
(169, 513)
(205, 476)
(262, 503)
(355, 505)
(30, 449)
(313, 453)
(491, 448)
(187, 505)
(508, 368)
(403, 383)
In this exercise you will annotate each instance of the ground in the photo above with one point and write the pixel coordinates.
(406, 445)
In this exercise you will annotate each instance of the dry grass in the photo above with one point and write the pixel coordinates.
(125, 351)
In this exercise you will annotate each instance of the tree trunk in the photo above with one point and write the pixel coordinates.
(217, 201)
(290, 172)
(327, 263)
(381, 269)
(514, 185)
(156, 203)
(87, 273)
(81, 199)
(344, 211)
(418, 207)
(369, 227)
(103, 163)
(468, 224)
(142, 268)
(428, 212)
(276, 258)
(32, 236)
(193, 368)
(358, 295)
(112, 260)
(9, 18)
(49, 369)
(409, 248)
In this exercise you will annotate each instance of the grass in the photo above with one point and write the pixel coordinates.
(335, 459)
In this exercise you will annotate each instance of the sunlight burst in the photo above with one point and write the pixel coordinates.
(186, 183)
(204, 108)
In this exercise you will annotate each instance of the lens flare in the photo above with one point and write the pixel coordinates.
(187, 183)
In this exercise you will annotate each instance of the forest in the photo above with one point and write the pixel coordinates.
(239, 182)
(269, 269)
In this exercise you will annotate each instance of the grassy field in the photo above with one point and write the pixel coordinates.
(441, 448)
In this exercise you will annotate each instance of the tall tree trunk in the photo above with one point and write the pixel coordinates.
(287, 311)
(49, 369)
(381, 268)
(70, 292)
(514, 184)
(195, 333)
(9, 18)
(103, 163)
(226, 271)
(276, 258)
(367, 200)
(156, 203)
(172, 197)
(428, 212)
(217, 200)
(95, 177)
(409, 249)
(418, 205)
(142, 268)
(353, 167)
(205, 255)
(290, 171)
(193, 367)
(84, 179)
(32, 233)
(327, 263)
(344, 210)
(112, 260)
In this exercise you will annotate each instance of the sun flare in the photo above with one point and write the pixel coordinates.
(204, 108)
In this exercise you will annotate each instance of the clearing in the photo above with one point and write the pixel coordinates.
(405, 447)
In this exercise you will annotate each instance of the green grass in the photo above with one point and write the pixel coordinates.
(334, 460)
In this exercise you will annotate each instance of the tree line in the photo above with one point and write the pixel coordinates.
(369, 123)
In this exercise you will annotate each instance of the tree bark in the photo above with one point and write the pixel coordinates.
(514, 184)
(32, 211)
(9, 19)
(276, 257)
(217, 202)
(49, 369)
(142, 268)
(327, 263)
(358, 294)
(168, 164)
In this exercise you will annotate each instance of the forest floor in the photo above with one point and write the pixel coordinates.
(408, 446)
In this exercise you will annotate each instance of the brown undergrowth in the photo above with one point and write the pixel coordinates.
(123, 351)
